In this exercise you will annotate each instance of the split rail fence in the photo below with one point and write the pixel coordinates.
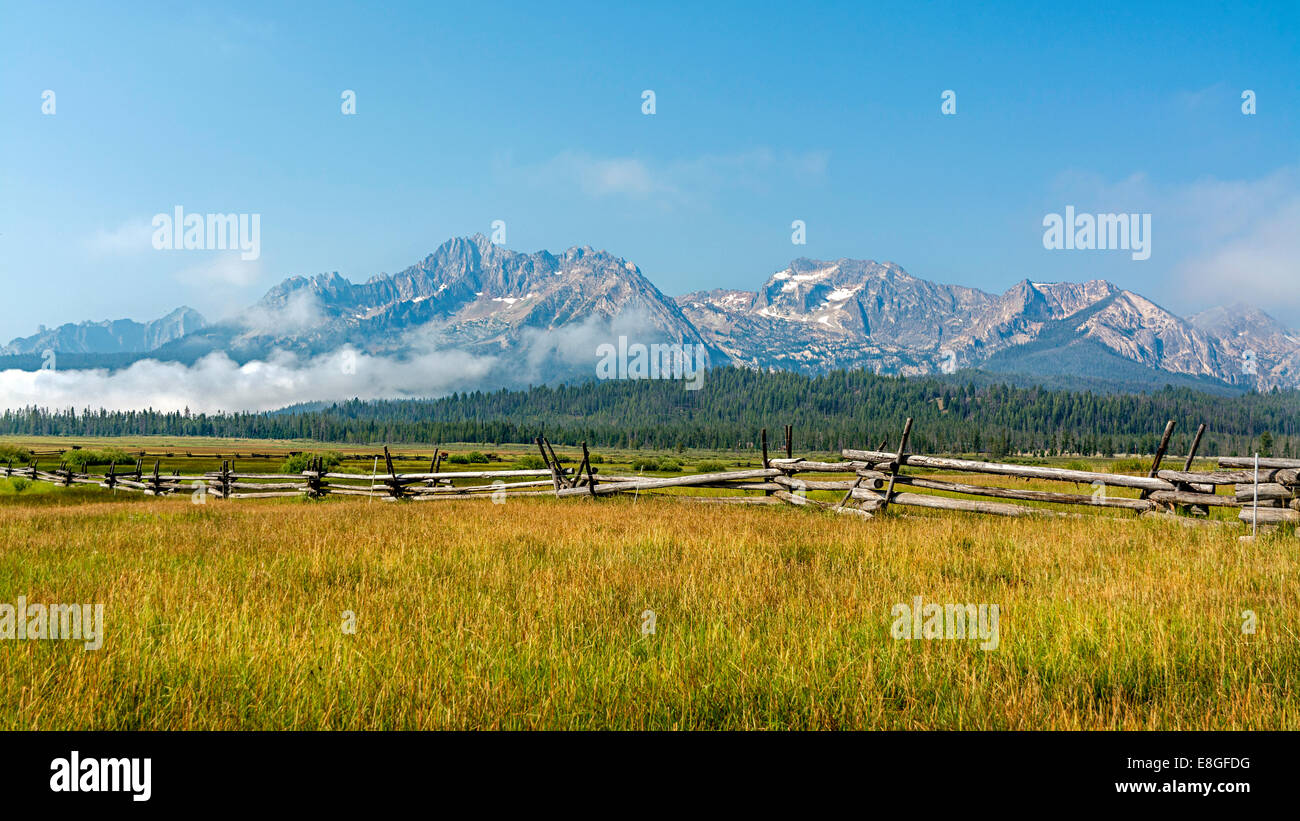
(1265, 491)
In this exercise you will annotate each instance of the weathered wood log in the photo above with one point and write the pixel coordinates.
(1264, 462)
(110, 479)
(263, 495)
(766, 464)
(676, 481)
(895, 466)
(348, 491)
(796, 483)
(1185, 485)
(743, 486)
(801, 501)
(131, 483)
(733, 500)
(444, 497)
(225, 480)
(1028, 495)
(391, 482)
(948, 503)
(1191, 453)
(270, 485)
(1182, 497)
(118, 486)
(470, 489)
(565, 479)
(873, 479)
(586, 461)
(806, 466)
(1266, 490)
(216, 474)
(418, 477)
(1160, 453)
(1197, 487)
(1266, 515)
(1024, 471)
(1221, 477)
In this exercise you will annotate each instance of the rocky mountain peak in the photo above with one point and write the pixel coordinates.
(812, 315)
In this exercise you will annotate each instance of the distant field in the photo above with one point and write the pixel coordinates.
(529, 614)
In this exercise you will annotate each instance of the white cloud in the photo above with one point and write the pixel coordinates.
(600, 176)
(220, 268)
(216, 382)
(672, 181)
(300, 313)
(1214, 241)
(1258, 264)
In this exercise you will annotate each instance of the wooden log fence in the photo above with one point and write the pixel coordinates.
(866, 482)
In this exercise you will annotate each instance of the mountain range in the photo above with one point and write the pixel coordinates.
(812, 316)
(111, 336)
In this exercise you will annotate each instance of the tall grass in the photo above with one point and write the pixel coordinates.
(528, 615)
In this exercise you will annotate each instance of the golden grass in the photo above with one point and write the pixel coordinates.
(528, 615)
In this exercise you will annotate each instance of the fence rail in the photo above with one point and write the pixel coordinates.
(1265, 491)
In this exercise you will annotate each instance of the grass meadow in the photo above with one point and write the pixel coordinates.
(529, 615)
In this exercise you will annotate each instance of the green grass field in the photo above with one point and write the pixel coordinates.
(529, 614)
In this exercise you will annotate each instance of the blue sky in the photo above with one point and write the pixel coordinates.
(531, 114)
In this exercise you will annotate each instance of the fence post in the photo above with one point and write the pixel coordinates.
(559, 469)
(1160, 455)
(394, 486)
(1196, 443)
(555, 476)
(1200, 510)
(591, 476)
(897, 464)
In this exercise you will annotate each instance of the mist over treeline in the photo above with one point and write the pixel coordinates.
(828, 412)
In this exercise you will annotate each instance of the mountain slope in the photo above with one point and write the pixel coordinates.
(542, 316)
(468, 294)
(1262, 351)
(817, 315)
(109, 336)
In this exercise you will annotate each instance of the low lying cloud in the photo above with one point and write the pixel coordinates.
(218, 383)
(301, 312)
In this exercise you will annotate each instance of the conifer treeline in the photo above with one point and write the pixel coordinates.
(840, 409)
